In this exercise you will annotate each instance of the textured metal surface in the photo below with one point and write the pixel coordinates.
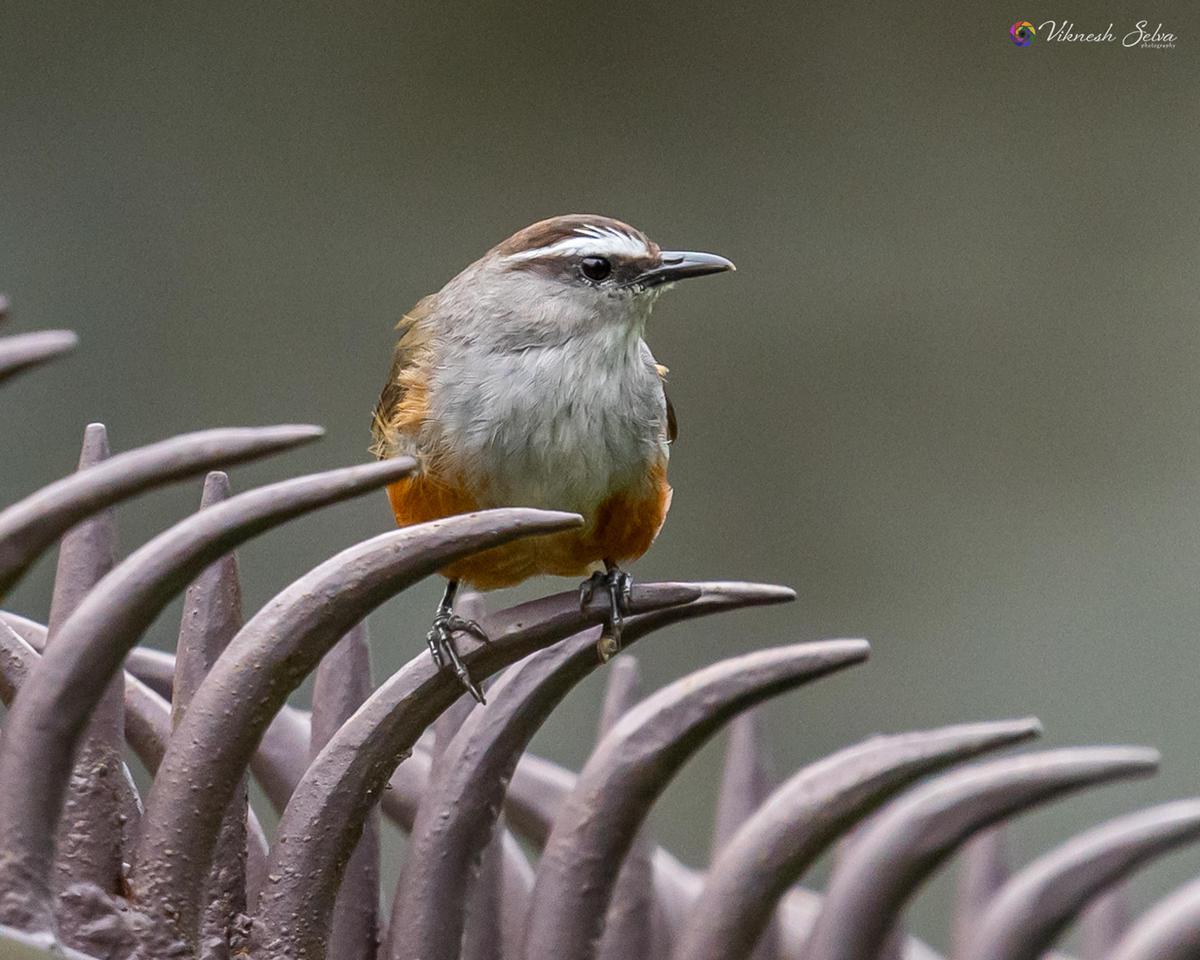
(801, 819)
(343, 682)
(1038, 903)
(914, 834)
(207, 888)
(58, 697)
(629, 769)
(321, 822)
(212, 614)
(100, 809)
(32, 525)
(267, 660)
(468, 795)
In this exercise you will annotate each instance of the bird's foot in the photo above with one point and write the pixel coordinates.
(619, 587)
(440, 639)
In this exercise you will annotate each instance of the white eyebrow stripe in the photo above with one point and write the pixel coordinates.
(592, 242)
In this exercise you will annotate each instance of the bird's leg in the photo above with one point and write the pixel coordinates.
(441, 640)
(619, 586)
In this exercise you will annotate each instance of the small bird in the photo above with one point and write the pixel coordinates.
(525, 382)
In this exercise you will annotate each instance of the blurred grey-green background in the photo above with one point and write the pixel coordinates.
(950, 396)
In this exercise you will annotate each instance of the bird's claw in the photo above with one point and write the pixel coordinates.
(440, 640)
(619, 586)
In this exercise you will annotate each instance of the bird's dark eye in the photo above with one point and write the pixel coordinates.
(595, 268)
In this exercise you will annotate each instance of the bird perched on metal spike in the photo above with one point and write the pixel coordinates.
(525, 382)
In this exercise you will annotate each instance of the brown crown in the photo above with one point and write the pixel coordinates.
(545, 232)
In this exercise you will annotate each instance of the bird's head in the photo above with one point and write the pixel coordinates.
(579, 272)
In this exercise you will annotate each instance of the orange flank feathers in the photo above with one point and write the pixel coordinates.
(620, 529)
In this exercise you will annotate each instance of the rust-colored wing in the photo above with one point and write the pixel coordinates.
(403, 402)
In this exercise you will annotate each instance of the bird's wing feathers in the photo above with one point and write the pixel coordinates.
(672, 422)
(402, 402)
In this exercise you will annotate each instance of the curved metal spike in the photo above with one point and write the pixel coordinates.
(1169, 930)
(982, 871)
(32, 525)
(1042, 900)
(101, 808)
(1103, 923)
(268, 659)
(147, 727)
(343, 783)
(909, 839)
(212, 614)
(632, 766)
(46, 721)
(29, 349)
(630, 926)
(343, 682)
(805, 816)
(464, 802)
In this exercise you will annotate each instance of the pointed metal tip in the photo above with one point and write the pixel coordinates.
(744, 592)
(95, 448)
(216, 489)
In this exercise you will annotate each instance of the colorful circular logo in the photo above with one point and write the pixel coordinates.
(1022, 33)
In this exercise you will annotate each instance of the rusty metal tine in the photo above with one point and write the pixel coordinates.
(804, 817)
(910, 838)
(343, 682)
(4, 308)
(630, 928)
(1169, 930)
(1103, 923)
(268, 659)
(212, 614)
(632, 766)
(27, 350)
(1042, 900)
(100, 809)
(339, 787)
(462, 804)
(32, 525)
(982, 871)
(59, 696)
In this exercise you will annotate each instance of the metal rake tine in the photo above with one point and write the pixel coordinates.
(630, 922)
(805, 816)
(468, 797)
(982, 871)
(28, 350)
(269, 658)
(1169, 930)
(1103, 923)
(59, 696)
(339, 787)
(101, 808)
(910, 838)
(212, 614)
(343, 682)
(631, 767)
(30, 526)
(147, 722)
(1042, 900)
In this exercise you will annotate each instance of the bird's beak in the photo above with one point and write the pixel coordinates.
(680, 264)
